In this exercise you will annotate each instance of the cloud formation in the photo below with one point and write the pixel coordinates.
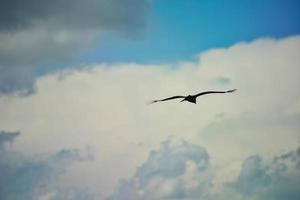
(177, 171)
(36, 177)
(183, 171)
(37, 32)
(275, 178)
(116, 14)
(104, 106)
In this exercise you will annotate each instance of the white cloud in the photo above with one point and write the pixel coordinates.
(104, 106)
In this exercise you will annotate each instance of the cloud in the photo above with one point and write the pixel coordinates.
(253, 176)
(7, 137)
(247, 127)
(22, 51)
(221, 81)
(174, 171)
(115, 14)
(105, 107)
(35, 32)
(36, 177)
(264, 179)
(183, 171)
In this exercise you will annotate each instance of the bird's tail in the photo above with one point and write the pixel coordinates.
(228, 91)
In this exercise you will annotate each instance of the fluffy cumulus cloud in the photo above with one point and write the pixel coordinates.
(178, 171)
(268, 178)
(183, 171)
(37, 32)
(105, 107)
(36, 177)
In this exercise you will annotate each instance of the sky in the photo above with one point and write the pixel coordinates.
(76, 78)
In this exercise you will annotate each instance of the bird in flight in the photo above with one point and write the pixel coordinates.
(192, 98)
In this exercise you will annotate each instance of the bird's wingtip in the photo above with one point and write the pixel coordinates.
(232, 90)
(151, 102)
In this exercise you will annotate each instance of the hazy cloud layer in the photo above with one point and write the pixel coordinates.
(37, 32)
(105, 107)
(36, 177)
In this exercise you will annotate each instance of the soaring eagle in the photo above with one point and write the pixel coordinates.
(192, 98)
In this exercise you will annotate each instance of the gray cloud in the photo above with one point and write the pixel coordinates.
(253, 176)
(35, 177)
(183, 171)
(76, 14)
(21, 52)
(7, 137)
(38, 32)
(276, 179)
(175, 171)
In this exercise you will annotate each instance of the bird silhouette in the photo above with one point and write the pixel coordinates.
(192, 98)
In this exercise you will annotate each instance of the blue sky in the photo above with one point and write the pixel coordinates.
(180, 29)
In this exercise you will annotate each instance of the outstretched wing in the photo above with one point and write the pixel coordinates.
(213, 92)
(170, 98)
